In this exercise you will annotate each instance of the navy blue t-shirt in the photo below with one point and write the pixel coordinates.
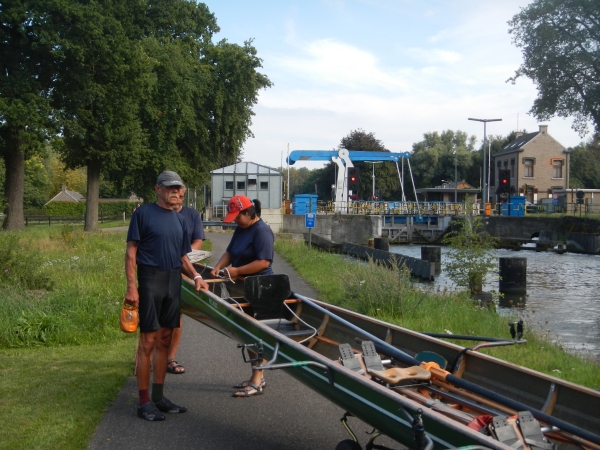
(193, 223)
(251, 244)
(161, 235)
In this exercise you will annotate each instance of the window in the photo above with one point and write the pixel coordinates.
(557, 168)
(506, 163)
(264, 185)
(528, 164)
(251, 183)
(229, 185)
(241, 185)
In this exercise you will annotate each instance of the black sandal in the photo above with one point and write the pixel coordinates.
(172, 369)
(249, 391)
(246, 383)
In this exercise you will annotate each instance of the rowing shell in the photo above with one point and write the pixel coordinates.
(307, 343)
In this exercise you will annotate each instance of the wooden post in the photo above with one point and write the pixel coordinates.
(513, 275)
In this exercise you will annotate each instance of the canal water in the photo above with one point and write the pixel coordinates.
(562, 300)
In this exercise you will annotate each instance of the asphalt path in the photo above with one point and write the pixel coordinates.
(289, 415)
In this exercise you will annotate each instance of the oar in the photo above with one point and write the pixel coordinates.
(397, 354)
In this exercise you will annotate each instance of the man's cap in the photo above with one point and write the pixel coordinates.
(169, 178)
(236, 205)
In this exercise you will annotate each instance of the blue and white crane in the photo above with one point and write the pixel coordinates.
(344, 158)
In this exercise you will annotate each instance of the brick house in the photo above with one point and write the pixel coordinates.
(536, 164)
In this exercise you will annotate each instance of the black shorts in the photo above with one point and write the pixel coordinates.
(159, 291)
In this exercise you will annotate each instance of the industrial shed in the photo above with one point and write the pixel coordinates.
(255, 182)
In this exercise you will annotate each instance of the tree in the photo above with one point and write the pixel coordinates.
(37, 185)
(585, 165)
(472, 255)
(386, 174)
(198, 113)
(432, 159)
(102, 74)
(26, 70)
(560, 41)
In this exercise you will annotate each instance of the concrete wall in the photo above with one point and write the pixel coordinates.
(528, 227)
(273, 217)
(337, 227)
(584, 243)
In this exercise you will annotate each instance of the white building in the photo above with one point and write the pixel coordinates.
(255, 182)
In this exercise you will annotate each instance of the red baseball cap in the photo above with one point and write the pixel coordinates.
(236, 205)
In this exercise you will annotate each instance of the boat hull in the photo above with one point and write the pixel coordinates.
(371, 402)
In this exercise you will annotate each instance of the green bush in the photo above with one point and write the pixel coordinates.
(19, 264)
(82, 308)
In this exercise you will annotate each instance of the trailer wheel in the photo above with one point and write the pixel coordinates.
(348, 444)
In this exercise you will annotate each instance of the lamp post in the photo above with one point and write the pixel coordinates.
(485, 196)
(455, 181)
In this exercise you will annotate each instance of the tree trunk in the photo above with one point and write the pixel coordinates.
(93, 193)
(15, 180)
(475, 283)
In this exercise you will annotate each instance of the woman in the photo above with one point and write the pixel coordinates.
(250, 252)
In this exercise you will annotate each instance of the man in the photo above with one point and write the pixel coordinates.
(195, 236)
(157, 244)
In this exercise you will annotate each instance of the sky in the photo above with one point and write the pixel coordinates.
(396, 68)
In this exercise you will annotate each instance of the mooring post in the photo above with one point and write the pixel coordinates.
(381, 243)
(513, 275)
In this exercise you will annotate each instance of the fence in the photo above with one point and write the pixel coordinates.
(49, 220)
(401, 208)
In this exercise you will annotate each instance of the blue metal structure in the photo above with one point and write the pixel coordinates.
(328, 155)
(343, 158)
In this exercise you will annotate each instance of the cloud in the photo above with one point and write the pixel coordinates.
(331, 62)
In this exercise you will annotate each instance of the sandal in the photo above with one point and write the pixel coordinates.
(245, 384)
(173, 369)
(249, 391)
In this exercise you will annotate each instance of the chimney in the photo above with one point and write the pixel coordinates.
(64, 188)
(543, 129)
(518, 134)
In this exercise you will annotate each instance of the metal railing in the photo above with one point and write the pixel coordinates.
(397, 208)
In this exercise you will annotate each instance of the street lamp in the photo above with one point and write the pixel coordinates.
(485, 196)
(373, 162)
(455, 181)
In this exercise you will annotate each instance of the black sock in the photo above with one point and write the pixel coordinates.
(157, 392)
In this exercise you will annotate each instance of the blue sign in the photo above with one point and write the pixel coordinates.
(310, 220)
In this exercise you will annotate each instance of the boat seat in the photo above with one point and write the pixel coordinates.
(393, 375)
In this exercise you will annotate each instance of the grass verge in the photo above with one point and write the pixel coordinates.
(54, 397)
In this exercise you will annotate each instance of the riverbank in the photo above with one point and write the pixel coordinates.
(391, 296)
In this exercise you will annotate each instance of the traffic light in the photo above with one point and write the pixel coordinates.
(353, 180)
(504, 181)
